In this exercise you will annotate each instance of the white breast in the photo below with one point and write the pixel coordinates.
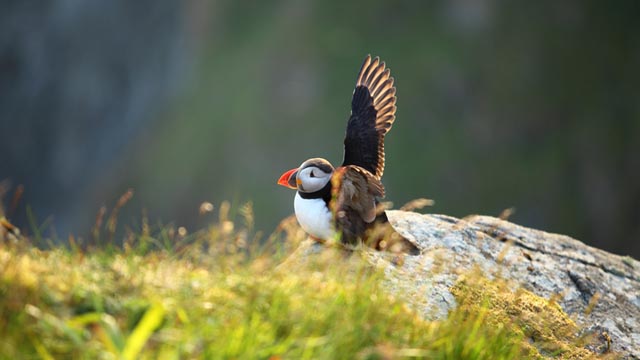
(314, 217)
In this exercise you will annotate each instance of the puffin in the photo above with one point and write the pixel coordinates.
(342, 203)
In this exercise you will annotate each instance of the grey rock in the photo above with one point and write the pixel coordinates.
(549, 265)
(599, 290)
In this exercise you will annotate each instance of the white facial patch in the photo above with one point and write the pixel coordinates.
(312, 179)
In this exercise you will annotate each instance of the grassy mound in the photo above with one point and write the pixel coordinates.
(211, 295)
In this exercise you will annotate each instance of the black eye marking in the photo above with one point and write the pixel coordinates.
(311, 174)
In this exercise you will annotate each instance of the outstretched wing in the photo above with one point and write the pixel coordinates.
(373, 109)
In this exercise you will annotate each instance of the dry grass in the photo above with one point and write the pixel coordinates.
(216, 293)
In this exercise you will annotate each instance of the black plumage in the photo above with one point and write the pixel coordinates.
(356, 185)
(373, 108)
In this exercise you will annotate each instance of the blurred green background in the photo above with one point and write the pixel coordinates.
(532, 105)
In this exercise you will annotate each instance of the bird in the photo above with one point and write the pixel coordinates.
(343, 202)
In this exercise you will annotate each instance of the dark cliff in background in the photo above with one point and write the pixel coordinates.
(500, 104)
(79, 83)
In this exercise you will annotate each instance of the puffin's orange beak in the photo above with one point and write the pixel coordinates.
(288, 179)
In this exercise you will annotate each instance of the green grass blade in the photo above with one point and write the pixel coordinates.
(147, 325)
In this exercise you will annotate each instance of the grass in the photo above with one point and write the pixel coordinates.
(166, 294)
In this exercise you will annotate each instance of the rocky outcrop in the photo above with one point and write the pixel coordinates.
(598, 290)
(601, 291)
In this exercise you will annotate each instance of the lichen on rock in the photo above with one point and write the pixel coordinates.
(599, 292)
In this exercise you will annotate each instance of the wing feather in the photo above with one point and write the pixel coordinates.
(363, 69)
(354, 192)
(372, 116)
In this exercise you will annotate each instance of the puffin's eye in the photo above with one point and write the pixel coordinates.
(311, 174)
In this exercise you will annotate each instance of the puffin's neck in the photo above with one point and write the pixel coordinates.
(324, 193)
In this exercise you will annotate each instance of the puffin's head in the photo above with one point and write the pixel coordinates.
(311, 176)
